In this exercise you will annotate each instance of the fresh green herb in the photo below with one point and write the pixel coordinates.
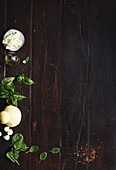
(22, 78)
(33, 148)
(17, 146)
(17, 137)
(17, 140)
(8, 90)
(13, 157)
(7, 80)
(26, 60)
(43, 156)
(28, 81)
(23, 147)
(55, 150)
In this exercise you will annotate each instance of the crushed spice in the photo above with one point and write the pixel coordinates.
(86, 154)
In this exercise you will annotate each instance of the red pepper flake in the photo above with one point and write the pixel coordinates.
(34, 124)
(86, 154)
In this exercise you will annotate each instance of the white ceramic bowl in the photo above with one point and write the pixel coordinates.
(20, 37)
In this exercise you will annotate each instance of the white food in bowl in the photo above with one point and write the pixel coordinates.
(13, 40)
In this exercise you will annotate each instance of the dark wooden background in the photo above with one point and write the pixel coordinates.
(72, 49)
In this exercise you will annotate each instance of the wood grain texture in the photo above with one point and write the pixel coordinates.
(71, 45)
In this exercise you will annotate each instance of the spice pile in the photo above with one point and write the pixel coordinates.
(86, 154)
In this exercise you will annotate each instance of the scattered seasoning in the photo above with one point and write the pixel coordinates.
(86, 154)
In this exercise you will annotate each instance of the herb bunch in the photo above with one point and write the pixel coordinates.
(9, 91)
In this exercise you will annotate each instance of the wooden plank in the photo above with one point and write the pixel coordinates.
(46, 74)
(97, 21)
(103, 92)
(19, 17)
(71, 45)
(2, 69)
(74, 84)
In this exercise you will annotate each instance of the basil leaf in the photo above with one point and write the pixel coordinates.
(17, 140)
(9, 85)
(12, 156)
(14, 101)
(2, 88)
(18, 145)
(16, 137)
(18, 96)
(16, 154)
(17, 88)
(55, 150)
(28, 81)
(26, 60)
(3, 97)
(20, 78)
(8, 101)
(43, 156)
(33, 148)
(23, 147)
(7, 80)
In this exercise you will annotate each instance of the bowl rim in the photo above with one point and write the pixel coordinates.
(21, 36)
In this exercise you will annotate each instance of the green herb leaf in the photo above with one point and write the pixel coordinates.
(8, 101)
(20, 78)
(24, 147)
(26, 60)
(17, 140)
(16, 154)
(7, 80)
(43, 156)
(28, 81)
(17, 88)
(12, 156)
(33, 148)
(18, 96)
(14, 101)
(9, 85)
(55, 150)
(3, 97)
